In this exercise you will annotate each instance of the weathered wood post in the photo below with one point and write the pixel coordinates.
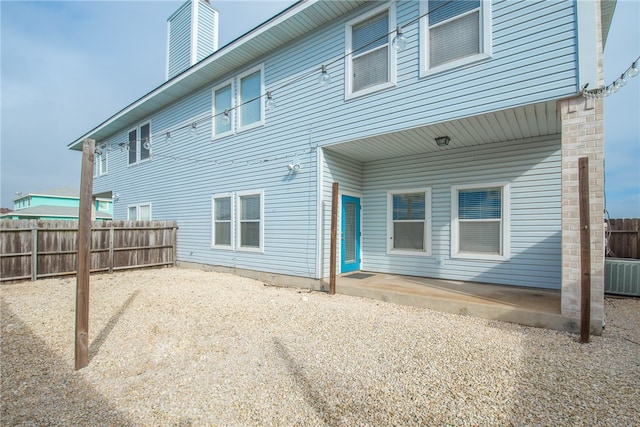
(585, 250)
(334, 239)
(84, 254)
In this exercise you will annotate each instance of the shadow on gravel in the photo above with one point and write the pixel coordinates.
(38, 388)
(311, 394)
(104, 333)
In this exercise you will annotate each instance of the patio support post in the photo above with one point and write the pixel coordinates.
(334, 239)
(585, 249)
(84, 255)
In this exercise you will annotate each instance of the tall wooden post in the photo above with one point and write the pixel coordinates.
(84, 255)
(585, 250)
(334, 239)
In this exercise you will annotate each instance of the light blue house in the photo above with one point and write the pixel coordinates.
(57, 204)
(453, 128)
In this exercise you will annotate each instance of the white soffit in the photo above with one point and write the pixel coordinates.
(528, 121)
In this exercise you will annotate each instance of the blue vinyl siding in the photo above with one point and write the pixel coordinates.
(180, 41)
(533, 169)
(206, 30)
(531, 63)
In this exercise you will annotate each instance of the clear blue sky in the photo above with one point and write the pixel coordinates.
(67, 66)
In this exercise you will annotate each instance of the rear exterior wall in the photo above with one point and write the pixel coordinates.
(533, 60)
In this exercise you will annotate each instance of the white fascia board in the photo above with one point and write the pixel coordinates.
(587, 39)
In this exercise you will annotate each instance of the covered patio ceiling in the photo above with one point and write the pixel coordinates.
(527, 121)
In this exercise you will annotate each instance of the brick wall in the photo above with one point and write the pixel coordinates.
(583, 136)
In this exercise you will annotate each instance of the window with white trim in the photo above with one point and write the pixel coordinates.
(100, 161)
(250, 221)
(242, 98)
(251, 88)
(237, 221)
(409, 221)
(453, 34)
(222, 230)
(139, 144)
(480, 221)
(370, 61)
(139, 212)
(223, 101)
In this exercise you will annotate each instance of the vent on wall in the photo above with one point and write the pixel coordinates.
(622, 276)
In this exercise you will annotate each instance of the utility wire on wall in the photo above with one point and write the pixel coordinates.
(605, 91)
(399, 42)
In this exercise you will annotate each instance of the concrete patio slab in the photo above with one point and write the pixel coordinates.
(526, 306)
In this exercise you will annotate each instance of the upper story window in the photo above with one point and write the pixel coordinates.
(139, 144)
(370, 62)
(251, 89)
(409, 222)
(100, 162)
(241, 95)
(453, 34)
(480, 221)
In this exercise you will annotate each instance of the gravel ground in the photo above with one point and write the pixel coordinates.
(185, 347)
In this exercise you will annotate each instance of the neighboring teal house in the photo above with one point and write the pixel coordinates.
(59, 204)
(453, 128)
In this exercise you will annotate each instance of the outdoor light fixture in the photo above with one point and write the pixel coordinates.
(325, 77)
(294, 167)
(442, 141)
(194, 129)
(225, 118)
(168, 138)
(399, 42)
(269, 103)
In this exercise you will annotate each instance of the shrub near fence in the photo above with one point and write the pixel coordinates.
(32, 249)
(624, 241)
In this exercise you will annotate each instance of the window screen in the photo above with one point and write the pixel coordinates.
(222, 102)
(222, 221)
(480, 220)
(103, 161)
(133, 146)
(145, 139)
(144, 212)
(251, 107)
(409, 221)
(370, 52)
(454, 30)
(250, 221)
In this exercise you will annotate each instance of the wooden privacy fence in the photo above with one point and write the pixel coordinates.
(32, 249)
(624, 241)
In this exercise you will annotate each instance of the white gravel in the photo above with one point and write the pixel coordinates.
(185, 347)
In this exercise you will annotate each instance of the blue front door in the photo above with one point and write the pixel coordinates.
(350, 249)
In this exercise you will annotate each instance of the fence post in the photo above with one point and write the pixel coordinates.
(111, 239)
(34, 252)
(174, 242)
